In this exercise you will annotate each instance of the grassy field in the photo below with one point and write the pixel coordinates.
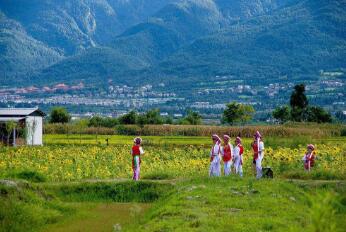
(197, 204)
(80, 184)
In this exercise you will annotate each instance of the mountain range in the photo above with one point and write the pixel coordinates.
(177, 42)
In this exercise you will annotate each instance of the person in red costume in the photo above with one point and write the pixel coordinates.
(136, 152)
(227, 158)
(238, 157)
(258, 149)
(309, 157)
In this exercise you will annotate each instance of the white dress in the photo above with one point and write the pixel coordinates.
(238, 161)
(215, 166)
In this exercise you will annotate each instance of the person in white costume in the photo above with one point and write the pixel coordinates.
(215, 158)
(238, 157)
(258, 149)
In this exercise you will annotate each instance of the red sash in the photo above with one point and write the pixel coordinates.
(241, 149)
(227, 156)
(255, 150)
(135, 152)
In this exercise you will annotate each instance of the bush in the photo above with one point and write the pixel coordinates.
(32, 176)
(59, 115)
(343, 132)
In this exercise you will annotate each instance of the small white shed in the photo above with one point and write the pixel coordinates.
(30, 118)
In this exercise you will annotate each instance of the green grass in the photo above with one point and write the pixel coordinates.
(91, 217)
(201, 204)
(123, 191)
(316, 202)
(232, 204)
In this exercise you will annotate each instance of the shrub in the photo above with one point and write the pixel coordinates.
(32, 176)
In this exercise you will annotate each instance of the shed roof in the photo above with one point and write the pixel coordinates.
(20, 112)
(6, 119)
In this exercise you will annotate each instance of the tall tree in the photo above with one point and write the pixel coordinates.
(298, 102)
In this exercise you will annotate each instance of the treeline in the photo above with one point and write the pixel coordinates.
(151, 117)
(299, 109)
(235, 113)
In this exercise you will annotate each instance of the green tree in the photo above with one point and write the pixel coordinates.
(282, 114)
(317, 114)
(10, 127)
(340, 116)
(95, 121)
(246, 113)
(168, 120)
(129, 118)
(298, 102)
(98, 121)
(153, 117)
(141, 120)
(236, 112)
(59, 115)
(193, 118)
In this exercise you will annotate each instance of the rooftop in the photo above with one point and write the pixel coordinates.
(11, 112)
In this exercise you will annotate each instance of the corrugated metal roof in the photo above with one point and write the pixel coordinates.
(19, 111)
(7, 119)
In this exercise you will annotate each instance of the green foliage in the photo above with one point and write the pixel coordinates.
(129, 191)
(192, 118)
(282, 114)
(317, 114)
(25, 207)
(323, 212)
(129, 118)
(203, 197)
(236, 112)
(98, 121)
(152, 117)
(300, 110)
(343, 132)
(168, 120)
(59, 115)
(298, 98)
(32, 176)
(298, 103)
(340, 116)
(10, 126)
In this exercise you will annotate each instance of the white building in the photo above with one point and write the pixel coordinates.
(29, 118)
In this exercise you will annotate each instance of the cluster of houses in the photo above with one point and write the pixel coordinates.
(20, 126)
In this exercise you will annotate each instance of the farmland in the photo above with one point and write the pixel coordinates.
(77, 180)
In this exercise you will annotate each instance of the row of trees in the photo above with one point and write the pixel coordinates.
(299, 109)
(60, 115)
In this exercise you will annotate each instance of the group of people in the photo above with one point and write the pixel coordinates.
(228, 154)
(234, 155)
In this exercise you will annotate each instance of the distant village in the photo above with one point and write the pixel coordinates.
(206, 97)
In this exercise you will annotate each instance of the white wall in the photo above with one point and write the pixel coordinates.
(34, 130)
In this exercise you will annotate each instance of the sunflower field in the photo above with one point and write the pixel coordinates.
(78, 162)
